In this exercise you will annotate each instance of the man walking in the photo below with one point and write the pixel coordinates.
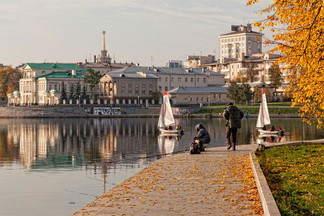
(233, 115)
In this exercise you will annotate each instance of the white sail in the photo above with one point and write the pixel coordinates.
(263, 117)
(166, 116)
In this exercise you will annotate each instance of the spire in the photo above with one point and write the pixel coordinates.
(104, 42)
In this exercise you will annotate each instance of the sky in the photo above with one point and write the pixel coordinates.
(148, 32)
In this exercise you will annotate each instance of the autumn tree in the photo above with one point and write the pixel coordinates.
(257, 93)
(240, 78)
(275, 76)
(251, 72)
(299, 36)
(9, 81)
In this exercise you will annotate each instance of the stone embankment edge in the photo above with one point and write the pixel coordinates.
(269, 204)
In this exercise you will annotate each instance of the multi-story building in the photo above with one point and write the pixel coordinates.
(241, 42)
(42, 82)
(127, 87)
(170, 78)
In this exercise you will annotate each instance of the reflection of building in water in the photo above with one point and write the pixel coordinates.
(58, 142)
(33, 140)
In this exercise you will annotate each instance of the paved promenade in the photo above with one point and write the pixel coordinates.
(215, 182)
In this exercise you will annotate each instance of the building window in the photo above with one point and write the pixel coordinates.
(160, 78)
(166, 88)
(160, 88)
(166, 79)
(136, 91)
(204, 80)
(130, 91)
(143, 92)
(150, 92)
(136, 86)
(186, 79)
(179, 79)
(129, 85)
(150, 86)
(191, 79)
(197, 79)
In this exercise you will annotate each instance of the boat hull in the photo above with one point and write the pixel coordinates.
(172, 132)
(267, 132)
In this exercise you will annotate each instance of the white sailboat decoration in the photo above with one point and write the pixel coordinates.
(264, 117)
(166, 118)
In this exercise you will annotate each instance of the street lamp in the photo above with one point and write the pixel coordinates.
(138, 101)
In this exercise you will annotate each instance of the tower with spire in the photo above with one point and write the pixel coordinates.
(104, 58)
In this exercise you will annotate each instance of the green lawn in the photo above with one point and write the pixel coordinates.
(295, 175)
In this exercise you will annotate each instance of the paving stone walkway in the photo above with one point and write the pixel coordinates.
(216, 182)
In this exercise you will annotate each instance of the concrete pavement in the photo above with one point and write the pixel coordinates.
(215, 182)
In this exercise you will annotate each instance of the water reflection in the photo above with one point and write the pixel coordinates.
(74, 142)
(169, 144)
(93, 155)
(54, 143)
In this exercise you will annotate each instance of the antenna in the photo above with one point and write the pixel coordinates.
(151, 60)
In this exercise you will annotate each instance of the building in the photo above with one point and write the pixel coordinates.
(241, 42)
(42, 82)
(126, 87)
(198, 61)
(174, 64)
(131, 84)
(170, 78)
(199, 95)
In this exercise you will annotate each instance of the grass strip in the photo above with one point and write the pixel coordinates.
(295, 176)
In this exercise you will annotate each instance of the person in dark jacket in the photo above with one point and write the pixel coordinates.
(202, 137)
(233, 115)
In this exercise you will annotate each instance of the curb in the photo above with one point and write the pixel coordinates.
(269, 204)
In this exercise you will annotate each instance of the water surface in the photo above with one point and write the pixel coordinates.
(56, 166)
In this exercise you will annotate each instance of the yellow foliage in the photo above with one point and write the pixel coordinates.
(301, 42)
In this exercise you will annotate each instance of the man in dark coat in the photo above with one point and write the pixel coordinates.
(233, 115)
(202, 136)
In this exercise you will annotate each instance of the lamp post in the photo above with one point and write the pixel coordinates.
(138, 101)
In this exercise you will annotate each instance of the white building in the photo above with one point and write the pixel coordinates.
(242, 41)
(42, 82)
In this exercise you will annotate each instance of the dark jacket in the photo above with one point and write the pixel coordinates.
(203, 135)
(233, 115)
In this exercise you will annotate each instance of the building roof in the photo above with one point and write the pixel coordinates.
(65, 74)
(199, 90)
(241, 32)
(54, 66)
(137, 75)
(167, 70)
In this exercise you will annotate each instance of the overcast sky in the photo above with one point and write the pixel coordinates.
(139, 31)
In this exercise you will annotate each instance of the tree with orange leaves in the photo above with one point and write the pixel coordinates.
(9, 78)
(301, 42)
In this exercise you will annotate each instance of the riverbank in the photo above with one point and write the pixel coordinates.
(68, 111)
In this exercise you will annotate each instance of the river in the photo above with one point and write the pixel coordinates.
(56, 166)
